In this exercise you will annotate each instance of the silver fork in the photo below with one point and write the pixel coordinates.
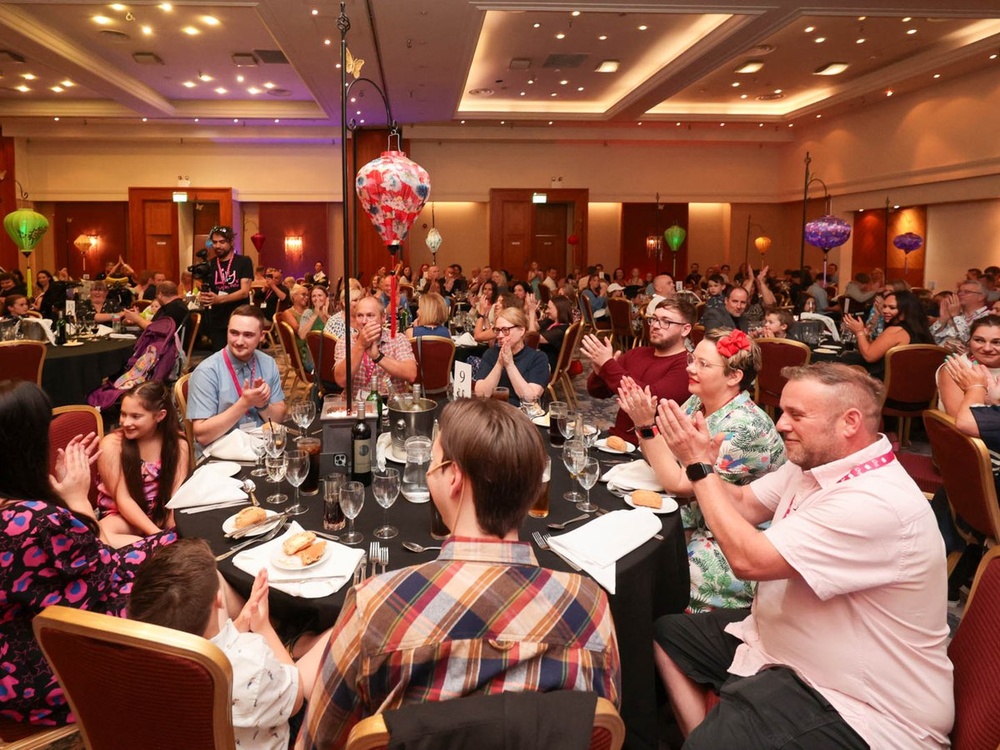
(384, 558)
(373, 555)
(256, 540)
(543, 543)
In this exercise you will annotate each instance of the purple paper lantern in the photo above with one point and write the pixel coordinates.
(827, 232)
(908, 242)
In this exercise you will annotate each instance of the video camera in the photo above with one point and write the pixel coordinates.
(203, 272)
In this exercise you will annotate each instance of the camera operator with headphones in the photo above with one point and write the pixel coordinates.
(227, 287)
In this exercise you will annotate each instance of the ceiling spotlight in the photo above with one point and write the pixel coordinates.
(602, 38)
(28, 76)
(550, 122)
(315, 12)
(191, 31)
(147, 30)
(277, 120)
(818, 116)
(189, 84)
(563, 82)
(862, 18)
(166, 7)
(810, 29)
(743, 96)
(210, 20)
(327, 42)
(888, 93)
(235, 120)
(553, 94)
(117, 6)
(777, 91)
(860, 41)
(67, 83)
(937, 75)
(579, 88)
(144, 119)
(608, 66)
(560, 35)
(993, 56)
(204, 77)
(907, 19)
(819, 39)
(750, 66)
(643, 27)
(101, 20)
(269, 85)
(253, 90)
(56, 119)
(736, 84)
(58, 89)
(575, 13)
(22, 88)
(535, 26)
(221, 90)
(911, 31)
(831, 69)
(239, 79)
(523, 93)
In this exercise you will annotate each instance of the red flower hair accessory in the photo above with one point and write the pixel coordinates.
(733, 342)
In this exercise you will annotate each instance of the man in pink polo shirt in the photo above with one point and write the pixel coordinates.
(845, 644)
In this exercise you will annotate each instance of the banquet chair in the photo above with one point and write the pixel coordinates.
(697, 334)
(180, 400)
(909, 383)
(135, 685)
(296, 367)
(592, 324)
(560, 375)
(620, 311)
(493, 722)
(22, 360)
(544, 295)
(68, 422)
(141, 304)
(191, 328)
(976, 662)
(532, 339)
(18, 736)
(435, 355)
(324, 368)
(776, 354)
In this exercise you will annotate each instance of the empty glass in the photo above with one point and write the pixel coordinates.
(259, 448)
(275, 438)
(276, 466)
(303, 413)
(566, 422)
(588, 475)
(385, 487)
(352, 497)
(574, 455)
(297, 466)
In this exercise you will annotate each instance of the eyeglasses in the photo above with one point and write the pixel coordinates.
(971, 291)
(432, 469)
(700, 364)
(504, 331)
(654, 322)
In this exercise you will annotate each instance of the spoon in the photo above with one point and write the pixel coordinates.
(414, 547)
(564, 524)
(249, 486)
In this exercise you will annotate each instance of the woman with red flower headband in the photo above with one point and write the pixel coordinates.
(720, 370)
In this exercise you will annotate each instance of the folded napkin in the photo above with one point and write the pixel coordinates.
(341, 563)
(103, 330)
(46, 325)
(208, 486)
(826, 320)
(466, 339)
(235, 445)
(598, 545)
(635, 475)
(122, 336)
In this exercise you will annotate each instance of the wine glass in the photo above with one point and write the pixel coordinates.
(385, 487)
(566, 424)
(275, 439)
(352, 497)
(590, 434)
(295, 474)
(304, 412)
(276, 466)
(574, 454)
(259, 448)
(588, 475)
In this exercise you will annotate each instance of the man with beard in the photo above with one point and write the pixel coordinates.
(230, 283)
(661, 366)
(846, 643)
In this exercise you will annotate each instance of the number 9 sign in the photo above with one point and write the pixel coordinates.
(463, 380)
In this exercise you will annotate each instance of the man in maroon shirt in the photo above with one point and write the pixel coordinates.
(662, 365)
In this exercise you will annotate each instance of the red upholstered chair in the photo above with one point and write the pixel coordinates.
(180, 400)
(17, 736)
(622, 335)
(435, 355)
(325, 368)
(909, 383)
(191, 336)
(22, 360)
(593, 325)
(532, 339)
(560, 375)
(68, 422)
(974, 654)
(776, 354)
(134, 685)
(697, 334)
(296, 368)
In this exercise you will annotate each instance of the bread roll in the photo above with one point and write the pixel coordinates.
(647, 499)
(249, 516)
(312, 553)
(298, 542)
(616, 443)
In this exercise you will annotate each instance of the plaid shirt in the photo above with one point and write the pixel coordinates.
(482, 618)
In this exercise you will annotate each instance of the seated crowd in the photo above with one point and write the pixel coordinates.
(818, 582)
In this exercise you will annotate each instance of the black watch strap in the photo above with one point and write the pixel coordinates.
(379, 358)
(698, 471)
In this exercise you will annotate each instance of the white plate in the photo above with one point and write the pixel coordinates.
(224, 468)
(542, 421)
(391, 455)
(290, 562)
(826, 350)
(667, 504)
(602, 445)
(229, 525)
(73, 343)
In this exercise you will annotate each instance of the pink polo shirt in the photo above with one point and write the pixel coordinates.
(864, 619)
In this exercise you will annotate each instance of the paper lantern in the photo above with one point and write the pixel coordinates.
(763, 244)
(258, 240)
(675, 237)
(392, 190)
(827, 232)
(908, 242)
(573, 239)
(433, 239)
(26, 228)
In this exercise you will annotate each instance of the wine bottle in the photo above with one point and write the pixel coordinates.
(376, 403)
(361, 447)
(60, 329)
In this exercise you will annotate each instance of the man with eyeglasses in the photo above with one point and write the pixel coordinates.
(231, 278)
(957, 313)
(483, 617)
(661, 367)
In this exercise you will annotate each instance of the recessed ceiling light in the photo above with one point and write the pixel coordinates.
(810, 29)
(907, 19)
(28, 76)
(574, 14)
(144, 119)
(461, 122)
(791, 124)
(993, 56)
(896, 207)
(937, 75)
(327, 42)
(221, 90)
(315, 12)
(204, 77)
(535, 26)
(166, 6)
(191, 31)
(608, 66)
(197, 119)
(523, 93)
(353, 99)
(58, 89)
(678, 124)
(147, 30)
(102, 20)
(602, 38)
(888, 93)
(643, 27)
(560, 35)
(736, 84)
(269, 85)
(210, 20)
(277, 120)
(831, 69)
(337, 66)
(743, 96)
(67, 83)
(777, 91)
(639, 123)
(117, 6)
(862, 18)
(550, 122)
(503, 122)
(22, 88)
(56, 119)
(819, 39)
(722, 124)
(819, 117)
(579, 88)
(189, 84)
(239, 79)
(911, 31)
(253, 90)
(750, 66)
(760, 124)
(362, 120)
(860, 41)
(553, 94)
(563, 82)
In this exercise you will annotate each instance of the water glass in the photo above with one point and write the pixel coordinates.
(304, 412)
(574, 456)
(276, 466)
(352, 497)
(333, 516)
(588, 475)
(257, 444)
(385, 487)
(296, 469)
(275, 438)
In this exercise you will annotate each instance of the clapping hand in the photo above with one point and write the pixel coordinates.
(71, 475)
(597, 351)
(638, 403)
(257, 394)
(255, 615)
(856, 325)
(689, 440)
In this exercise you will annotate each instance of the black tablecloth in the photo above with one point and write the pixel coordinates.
(71, 372)
(652, 581)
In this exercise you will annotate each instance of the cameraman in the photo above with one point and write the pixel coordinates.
(227, 288)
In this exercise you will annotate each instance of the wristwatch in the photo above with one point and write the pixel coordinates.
(698, 471)
(379, 358)
(647, 431)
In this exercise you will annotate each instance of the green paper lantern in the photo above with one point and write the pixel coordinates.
(26, 228)
(675, 237)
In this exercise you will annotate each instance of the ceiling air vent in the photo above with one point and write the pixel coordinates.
(271, 56)
(244, 60)
(564, 61)
(147, 58)
(114, 35)
(770, 97)
(279, 92)
(6, 56)
(520, 63)
(481, 92)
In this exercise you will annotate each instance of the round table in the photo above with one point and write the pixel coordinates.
(71, 372)
(651, 581)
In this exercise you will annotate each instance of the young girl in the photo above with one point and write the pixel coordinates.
(142, 464)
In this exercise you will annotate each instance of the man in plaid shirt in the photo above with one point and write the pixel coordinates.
(484, 617)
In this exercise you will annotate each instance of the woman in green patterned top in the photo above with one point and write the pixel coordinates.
(720, 369)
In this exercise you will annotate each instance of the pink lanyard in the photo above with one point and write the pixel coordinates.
(857, 471)
(232, 371)
(221, 278)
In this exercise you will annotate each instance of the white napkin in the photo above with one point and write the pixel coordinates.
(466, 339)
(635, 475)
(235, 445)
(103, 330)
(122, 336)
(341, 563)
(826, 320)
(208, 487)
(598, 545)
(46, 325)
(383, 444)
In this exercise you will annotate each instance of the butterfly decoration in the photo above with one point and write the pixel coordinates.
(354, 64)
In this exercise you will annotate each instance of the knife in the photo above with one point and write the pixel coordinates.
(241, 532)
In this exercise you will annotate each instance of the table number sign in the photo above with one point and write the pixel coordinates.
(463, 380)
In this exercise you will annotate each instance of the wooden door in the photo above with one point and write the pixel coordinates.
(517, 249)
(161, 228)
(549, 241)
(516, 206)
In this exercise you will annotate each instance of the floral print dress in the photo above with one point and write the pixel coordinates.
(48, 557)
(751, 448)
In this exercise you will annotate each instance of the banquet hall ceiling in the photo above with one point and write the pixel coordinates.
(268, 70)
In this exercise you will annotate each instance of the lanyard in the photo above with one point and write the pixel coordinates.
(221, 279)
(232, 371)
(863, 468)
